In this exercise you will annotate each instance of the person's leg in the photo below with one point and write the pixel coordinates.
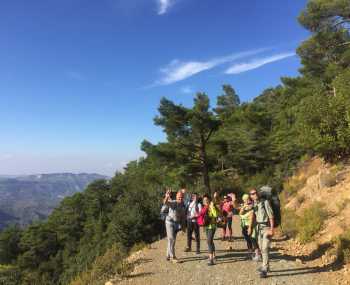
(258, 239)
(213, 244)
(175, 230)
(246, 237)
(195, 227)
(207, 232)
(189, 234)
(224, 232)
(229, 225)
(169, 234)
(265, 249)
(211, 249)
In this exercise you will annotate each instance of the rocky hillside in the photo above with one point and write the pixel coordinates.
(27, 198)
(317, 215)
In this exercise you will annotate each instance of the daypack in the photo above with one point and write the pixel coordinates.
(203, 218)
(266, 193)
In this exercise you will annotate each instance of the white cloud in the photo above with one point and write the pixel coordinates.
(177, 70)
(164, 6)
(243, 67)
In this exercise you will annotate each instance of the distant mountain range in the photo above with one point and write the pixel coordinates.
(24, 199)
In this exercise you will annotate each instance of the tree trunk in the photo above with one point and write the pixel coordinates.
(205, 169)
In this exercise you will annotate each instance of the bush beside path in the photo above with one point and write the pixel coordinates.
(232, 267)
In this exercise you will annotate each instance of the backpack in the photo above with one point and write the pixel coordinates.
(266, 193)
(203, 218)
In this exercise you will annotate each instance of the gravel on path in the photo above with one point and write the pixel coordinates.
(233, 265)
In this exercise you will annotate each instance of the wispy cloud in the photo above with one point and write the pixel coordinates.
(256, 63)
(75, 75)
(164, 6)
(178, 70)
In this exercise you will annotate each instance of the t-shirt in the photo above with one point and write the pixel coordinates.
(213, 214)
(263, 211)
(193, 210)
(246, 217)
(228, 207)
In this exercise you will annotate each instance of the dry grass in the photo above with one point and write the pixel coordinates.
(310, 222)
(105, 267)
(342, 245)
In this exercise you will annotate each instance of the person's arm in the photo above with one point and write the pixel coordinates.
(166, 198)
(251, 223)
(241, 210)
(269, 213)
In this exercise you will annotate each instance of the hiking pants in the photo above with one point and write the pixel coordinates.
(251, 242)
(210, 240)
(171, 232)
(192, 226)
(264, 244)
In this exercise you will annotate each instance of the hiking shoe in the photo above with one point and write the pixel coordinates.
(263, 274)
(257, 258)
(198, 252)
(187, 249)
(211, 262)
(261, 269)
(175, 260)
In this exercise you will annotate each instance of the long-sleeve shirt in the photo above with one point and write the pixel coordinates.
(177, 212)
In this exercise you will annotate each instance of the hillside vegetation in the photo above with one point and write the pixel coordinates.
(230, 147)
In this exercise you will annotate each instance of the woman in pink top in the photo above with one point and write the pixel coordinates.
(227, 208)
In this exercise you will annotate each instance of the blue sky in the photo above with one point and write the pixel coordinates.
(81, 80)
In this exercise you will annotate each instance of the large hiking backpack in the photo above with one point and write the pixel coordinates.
(266, 193)
(203, 218)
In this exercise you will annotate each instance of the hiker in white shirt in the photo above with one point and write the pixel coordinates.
(193, 211)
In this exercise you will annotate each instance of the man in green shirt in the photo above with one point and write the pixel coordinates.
(264, 222)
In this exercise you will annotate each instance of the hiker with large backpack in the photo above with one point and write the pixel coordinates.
(174, 221)
(265, 223)
(207, 218)
(193, 211)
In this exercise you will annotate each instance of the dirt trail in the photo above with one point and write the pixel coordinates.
(232, 267)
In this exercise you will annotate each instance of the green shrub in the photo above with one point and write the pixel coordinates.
(289, 223)
(292, 186)
(310, 222)
(137, 247)
(104, 268)
(9, 275)
(342, 246)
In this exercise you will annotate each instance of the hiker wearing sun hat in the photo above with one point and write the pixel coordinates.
(246, 212)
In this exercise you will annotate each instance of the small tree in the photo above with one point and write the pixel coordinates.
(190, 130)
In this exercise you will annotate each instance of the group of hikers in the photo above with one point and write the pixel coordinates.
(190, 212)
